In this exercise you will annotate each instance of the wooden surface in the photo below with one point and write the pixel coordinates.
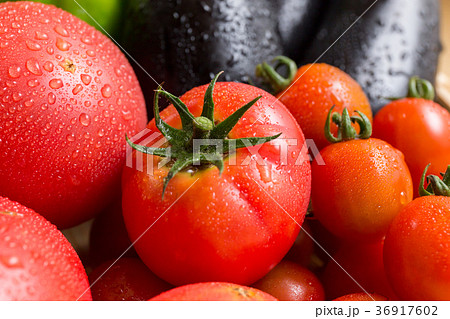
(443, 77)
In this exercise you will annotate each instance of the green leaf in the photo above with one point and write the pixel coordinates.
(208, 104)
(163, 152)
(233, 144)
(185, 115)
(223, 128)
(173, 135)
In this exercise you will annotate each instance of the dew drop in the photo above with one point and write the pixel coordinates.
(33, 83)
(33, 66)
(14, 71)
(29, 102)
(101, 133)
(61, 31)
(118, 72)
(85, 39)
(87, 103)
(50, 50)
(70, 137)
(90, 53)
(63, 45)
(11, 261)
(17, 96)
(85, 120)
(41, 36)
(33, 46)
(77, 89)
(48, 66)
(127, 115)
(86, 79)
(106, 91)
(56, 84)
(51, 98)
(99, 72)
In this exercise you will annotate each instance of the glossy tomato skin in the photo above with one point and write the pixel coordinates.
(36, 260)
(417, 250)
(126, 279)
(314, 90)
(68, 97)
(364, 263)
(291, 282)
(214, 291)
(360, 188)
(232, 227)
(421, 130)
(361, 297)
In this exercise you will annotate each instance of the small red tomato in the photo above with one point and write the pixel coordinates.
(362, 185)
(233, 226)
(311, 93)
(36, 260)
(127, 279)
(68, 96)
(291, 282)
(419, 128)
(360, 263)
(417, 246)
(109, 237)
(214, 291)
(361, 297)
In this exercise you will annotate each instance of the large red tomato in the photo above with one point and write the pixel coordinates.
(232, 227)
(36, 260)
(68, 96)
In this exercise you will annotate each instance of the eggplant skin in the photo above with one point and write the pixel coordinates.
(184, 43)
(394, 40)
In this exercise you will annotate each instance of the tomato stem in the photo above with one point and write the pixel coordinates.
(275, 79)
(420, 88)
(346, 131)
(436, 185)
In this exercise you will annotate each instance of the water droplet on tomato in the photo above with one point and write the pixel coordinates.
(50, 50)
(33, 83)
(85, 120)
(61, 31)
(11, 261)
(118, 72)
(86, 79)
(90, 53)
(127, 115)
(101, 133)
(106, 91)
(77, 89)
(33, 66)
(87, 103)
(17, 96)
(70, 137)
(14, 71)
(51, 98)
(56, 84)
(40, 35)
(29, 102)
(48, 66)
(33, 46)
(62, 44)
(99, 72)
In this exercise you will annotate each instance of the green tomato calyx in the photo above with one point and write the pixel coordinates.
(270, 75)
(436, 185)
(420, 88)
(200, 141)
(346, 131)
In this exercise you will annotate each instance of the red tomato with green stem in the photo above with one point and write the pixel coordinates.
(417, 245)
(230, 224)
(311, 91)
(68, 96)
(36, 260)
(418, 127)
(362, 185)
(214, 291)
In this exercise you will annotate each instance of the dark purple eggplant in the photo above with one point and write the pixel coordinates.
(183, 43)
(393, 41)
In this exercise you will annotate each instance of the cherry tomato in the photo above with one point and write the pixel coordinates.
(364, 263)
(311, 93)
(231, 227)
(417, 250)
(361, 297)
(421, 130)
(362, 185)
(291, 282)
(214, 291)
(36, 260)
(68, 97)
(126, 279)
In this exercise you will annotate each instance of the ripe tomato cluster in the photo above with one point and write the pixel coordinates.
(216, 198)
